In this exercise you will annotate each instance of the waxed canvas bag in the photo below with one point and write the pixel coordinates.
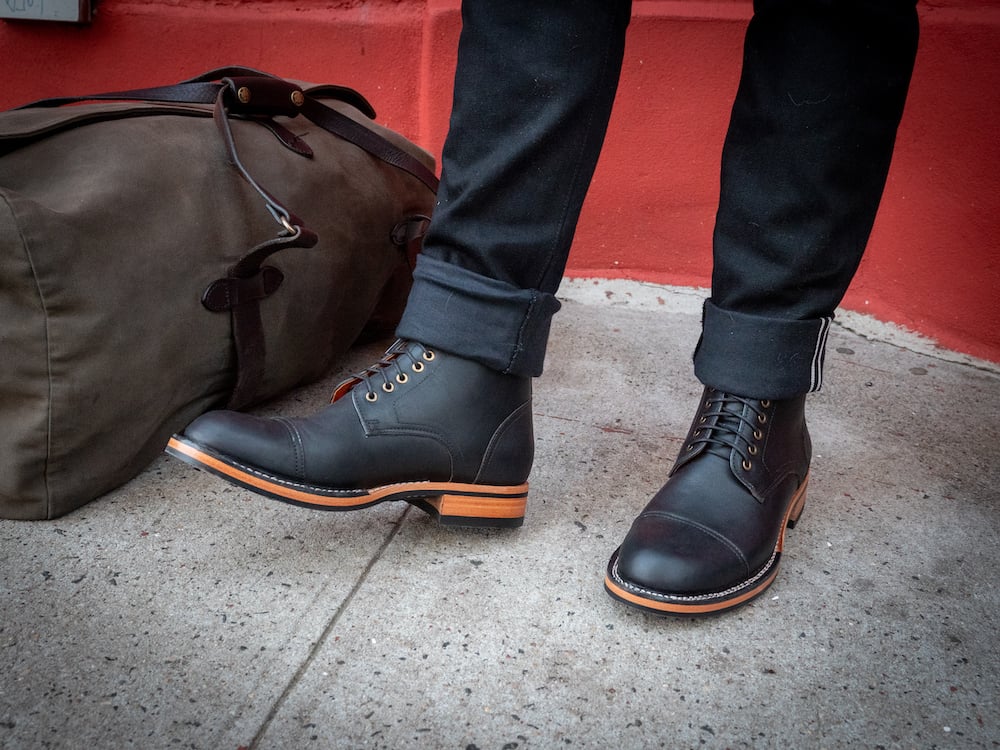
(181, 248)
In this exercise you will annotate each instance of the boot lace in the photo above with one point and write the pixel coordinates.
(730, 423)
(394, 368)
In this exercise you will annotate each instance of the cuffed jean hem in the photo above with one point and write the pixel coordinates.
(760, 357)
(477, 317)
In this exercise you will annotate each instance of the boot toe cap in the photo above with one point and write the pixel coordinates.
(262, 443)
(671, 555)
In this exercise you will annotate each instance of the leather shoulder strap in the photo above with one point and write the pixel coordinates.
(259, 89)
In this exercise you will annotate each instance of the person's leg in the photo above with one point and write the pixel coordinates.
(803, 169)
(533, 93)
(444, 419)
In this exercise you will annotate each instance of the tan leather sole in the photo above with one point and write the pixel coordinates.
(453, 503)
(662, 603)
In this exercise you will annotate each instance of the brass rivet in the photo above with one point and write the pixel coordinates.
(243, 94)
(298, 98)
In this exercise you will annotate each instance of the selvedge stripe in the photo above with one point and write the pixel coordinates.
(819, 355)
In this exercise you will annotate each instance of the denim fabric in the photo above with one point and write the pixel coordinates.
(493, 322)
(533, 93)
(803, 169)
(804, 165)
(777, 357)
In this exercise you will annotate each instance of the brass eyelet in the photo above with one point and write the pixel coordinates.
(402, 378)
(761, 418)
(428, 355)
(689, 448)
(697, 433)
(757, 434)
(417, 367)
(765, 403)
(752, 450)
(703, 420)
(371, 396)
(747, 465)
(388, 387)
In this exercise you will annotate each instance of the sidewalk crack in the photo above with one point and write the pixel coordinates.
(300, 673)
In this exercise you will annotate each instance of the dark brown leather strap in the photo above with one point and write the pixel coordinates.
(409, 235)
(241, 297)
(281, 214)
(194, 93)
(263, 100)
(248, 281)
(326, 90)
(340, 124)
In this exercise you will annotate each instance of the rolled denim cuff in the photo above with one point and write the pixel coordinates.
(477, 317)
(760, 357)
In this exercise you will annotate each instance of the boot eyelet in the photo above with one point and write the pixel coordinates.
(402, 378)
(761, 418)
(703, 420)
(428, 355)
(757, 434)
(765, 403)
(417, 367)
(689, 448)
(752, 450)
(747, 465)
(371, 396)
(388, 387)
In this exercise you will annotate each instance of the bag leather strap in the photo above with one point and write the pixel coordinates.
(248, 281)
(263, 100)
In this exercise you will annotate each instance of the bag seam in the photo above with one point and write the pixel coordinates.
(48, 351)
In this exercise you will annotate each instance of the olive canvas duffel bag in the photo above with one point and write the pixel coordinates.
(171, 250)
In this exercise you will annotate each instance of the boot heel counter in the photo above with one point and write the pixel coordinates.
(511, 450)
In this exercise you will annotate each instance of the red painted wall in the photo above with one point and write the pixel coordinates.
(933, 263)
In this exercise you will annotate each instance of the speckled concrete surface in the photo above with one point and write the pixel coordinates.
(181, 612)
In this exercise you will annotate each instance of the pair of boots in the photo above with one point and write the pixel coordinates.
(455, 439)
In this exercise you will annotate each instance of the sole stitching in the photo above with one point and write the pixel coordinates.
(660, 596)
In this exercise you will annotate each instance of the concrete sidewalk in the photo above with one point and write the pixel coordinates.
(181, 612)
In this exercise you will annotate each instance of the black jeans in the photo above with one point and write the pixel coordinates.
(803, 168)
